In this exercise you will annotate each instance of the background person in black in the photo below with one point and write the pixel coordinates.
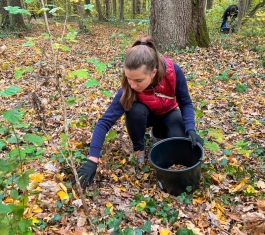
(231, 12)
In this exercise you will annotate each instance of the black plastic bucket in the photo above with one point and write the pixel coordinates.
(177, 150)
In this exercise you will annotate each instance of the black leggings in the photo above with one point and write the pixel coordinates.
(139, 117)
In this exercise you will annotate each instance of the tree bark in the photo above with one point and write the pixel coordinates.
(254, 10)
(79, 8)
(114, 7)
(242, 10)
(209, 4)
(175, 24)
(138, 7)
(133, 8)
(121, 9)
(5, 22)
(107, 4)
(144, 5)
(16, 21)
(100, 15)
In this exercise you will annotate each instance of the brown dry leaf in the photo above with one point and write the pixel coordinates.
(234, 216)
(217, 178)
(237, 231)
(261, 205)
(81, 221)
(2, 49)
(261, 184)
(64, 231)
(254, 223)
(80, 231)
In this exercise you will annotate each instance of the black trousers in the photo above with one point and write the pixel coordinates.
(139, 117)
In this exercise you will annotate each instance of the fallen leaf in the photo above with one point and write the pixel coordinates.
(63, 187)
(37, 177)
(81, 221)
(63, 196)
(240, 186)
(217, 178)
(164, 232)
(237, 231)
(261, 205)
(261, 184)
(234, 216)
(78, 203)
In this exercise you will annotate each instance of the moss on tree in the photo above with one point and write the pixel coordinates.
(203, 39)
(192, 39)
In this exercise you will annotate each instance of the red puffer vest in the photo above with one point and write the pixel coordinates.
(161, 99)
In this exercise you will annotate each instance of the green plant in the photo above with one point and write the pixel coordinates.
(185, 231)
(167, 214)
(241, 87)
(162, 210)
(14, 179)
(184, 197)
(223, 76)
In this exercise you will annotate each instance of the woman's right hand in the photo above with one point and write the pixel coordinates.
(86, 172)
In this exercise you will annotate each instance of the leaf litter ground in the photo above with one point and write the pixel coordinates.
(227, 88)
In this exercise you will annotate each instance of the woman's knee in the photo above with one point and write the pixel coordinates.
(137, 111)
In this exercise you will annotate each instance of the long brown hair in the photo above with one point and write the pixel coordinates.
(143, 52)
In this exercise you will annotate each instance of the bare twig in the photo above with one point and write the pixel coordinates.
(66, 125)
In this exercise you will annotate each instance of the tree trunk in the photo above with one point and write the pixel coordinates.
(138, 7)
(175, 24)
(121, 9)
(254, 10)
(133, 8)
(107, 3)
(144, 5)
(209, 4)
(199, 25)
(79, 8)
(16, 21)
(98, 7)
(88, 12)
(242, 10)
(114, 7)
(5, 21)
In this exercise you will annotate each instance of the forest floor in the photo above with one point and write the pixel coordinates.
(227, 87)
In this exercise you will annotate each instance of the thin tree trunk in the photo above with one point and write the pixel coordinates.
(209, 4)
(121, 9)
(254, 10)
(144, 5)
(133, 8)
(138, 7)
(107, 3)
(79, 8)
(100, 15)
(114, 7)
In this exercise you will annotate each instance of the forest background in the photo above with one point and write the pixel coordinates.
(59, 69)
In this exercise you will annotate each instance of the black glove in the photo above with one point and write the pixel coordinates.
(194, 138)
(86, 173)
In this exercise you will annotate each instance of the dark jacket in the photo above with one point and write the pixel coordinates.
(227, 14)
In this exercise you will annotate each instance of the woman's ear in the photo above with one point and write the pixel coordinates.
(154, 72)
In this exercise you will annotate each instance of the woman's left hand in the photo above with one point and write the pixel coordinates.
(194, 138)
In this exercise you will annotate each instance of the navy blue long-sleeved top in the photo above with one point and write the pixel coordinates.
(115, 111)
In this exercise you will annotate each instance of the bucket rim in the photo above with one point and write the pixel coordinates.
(179, 138)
